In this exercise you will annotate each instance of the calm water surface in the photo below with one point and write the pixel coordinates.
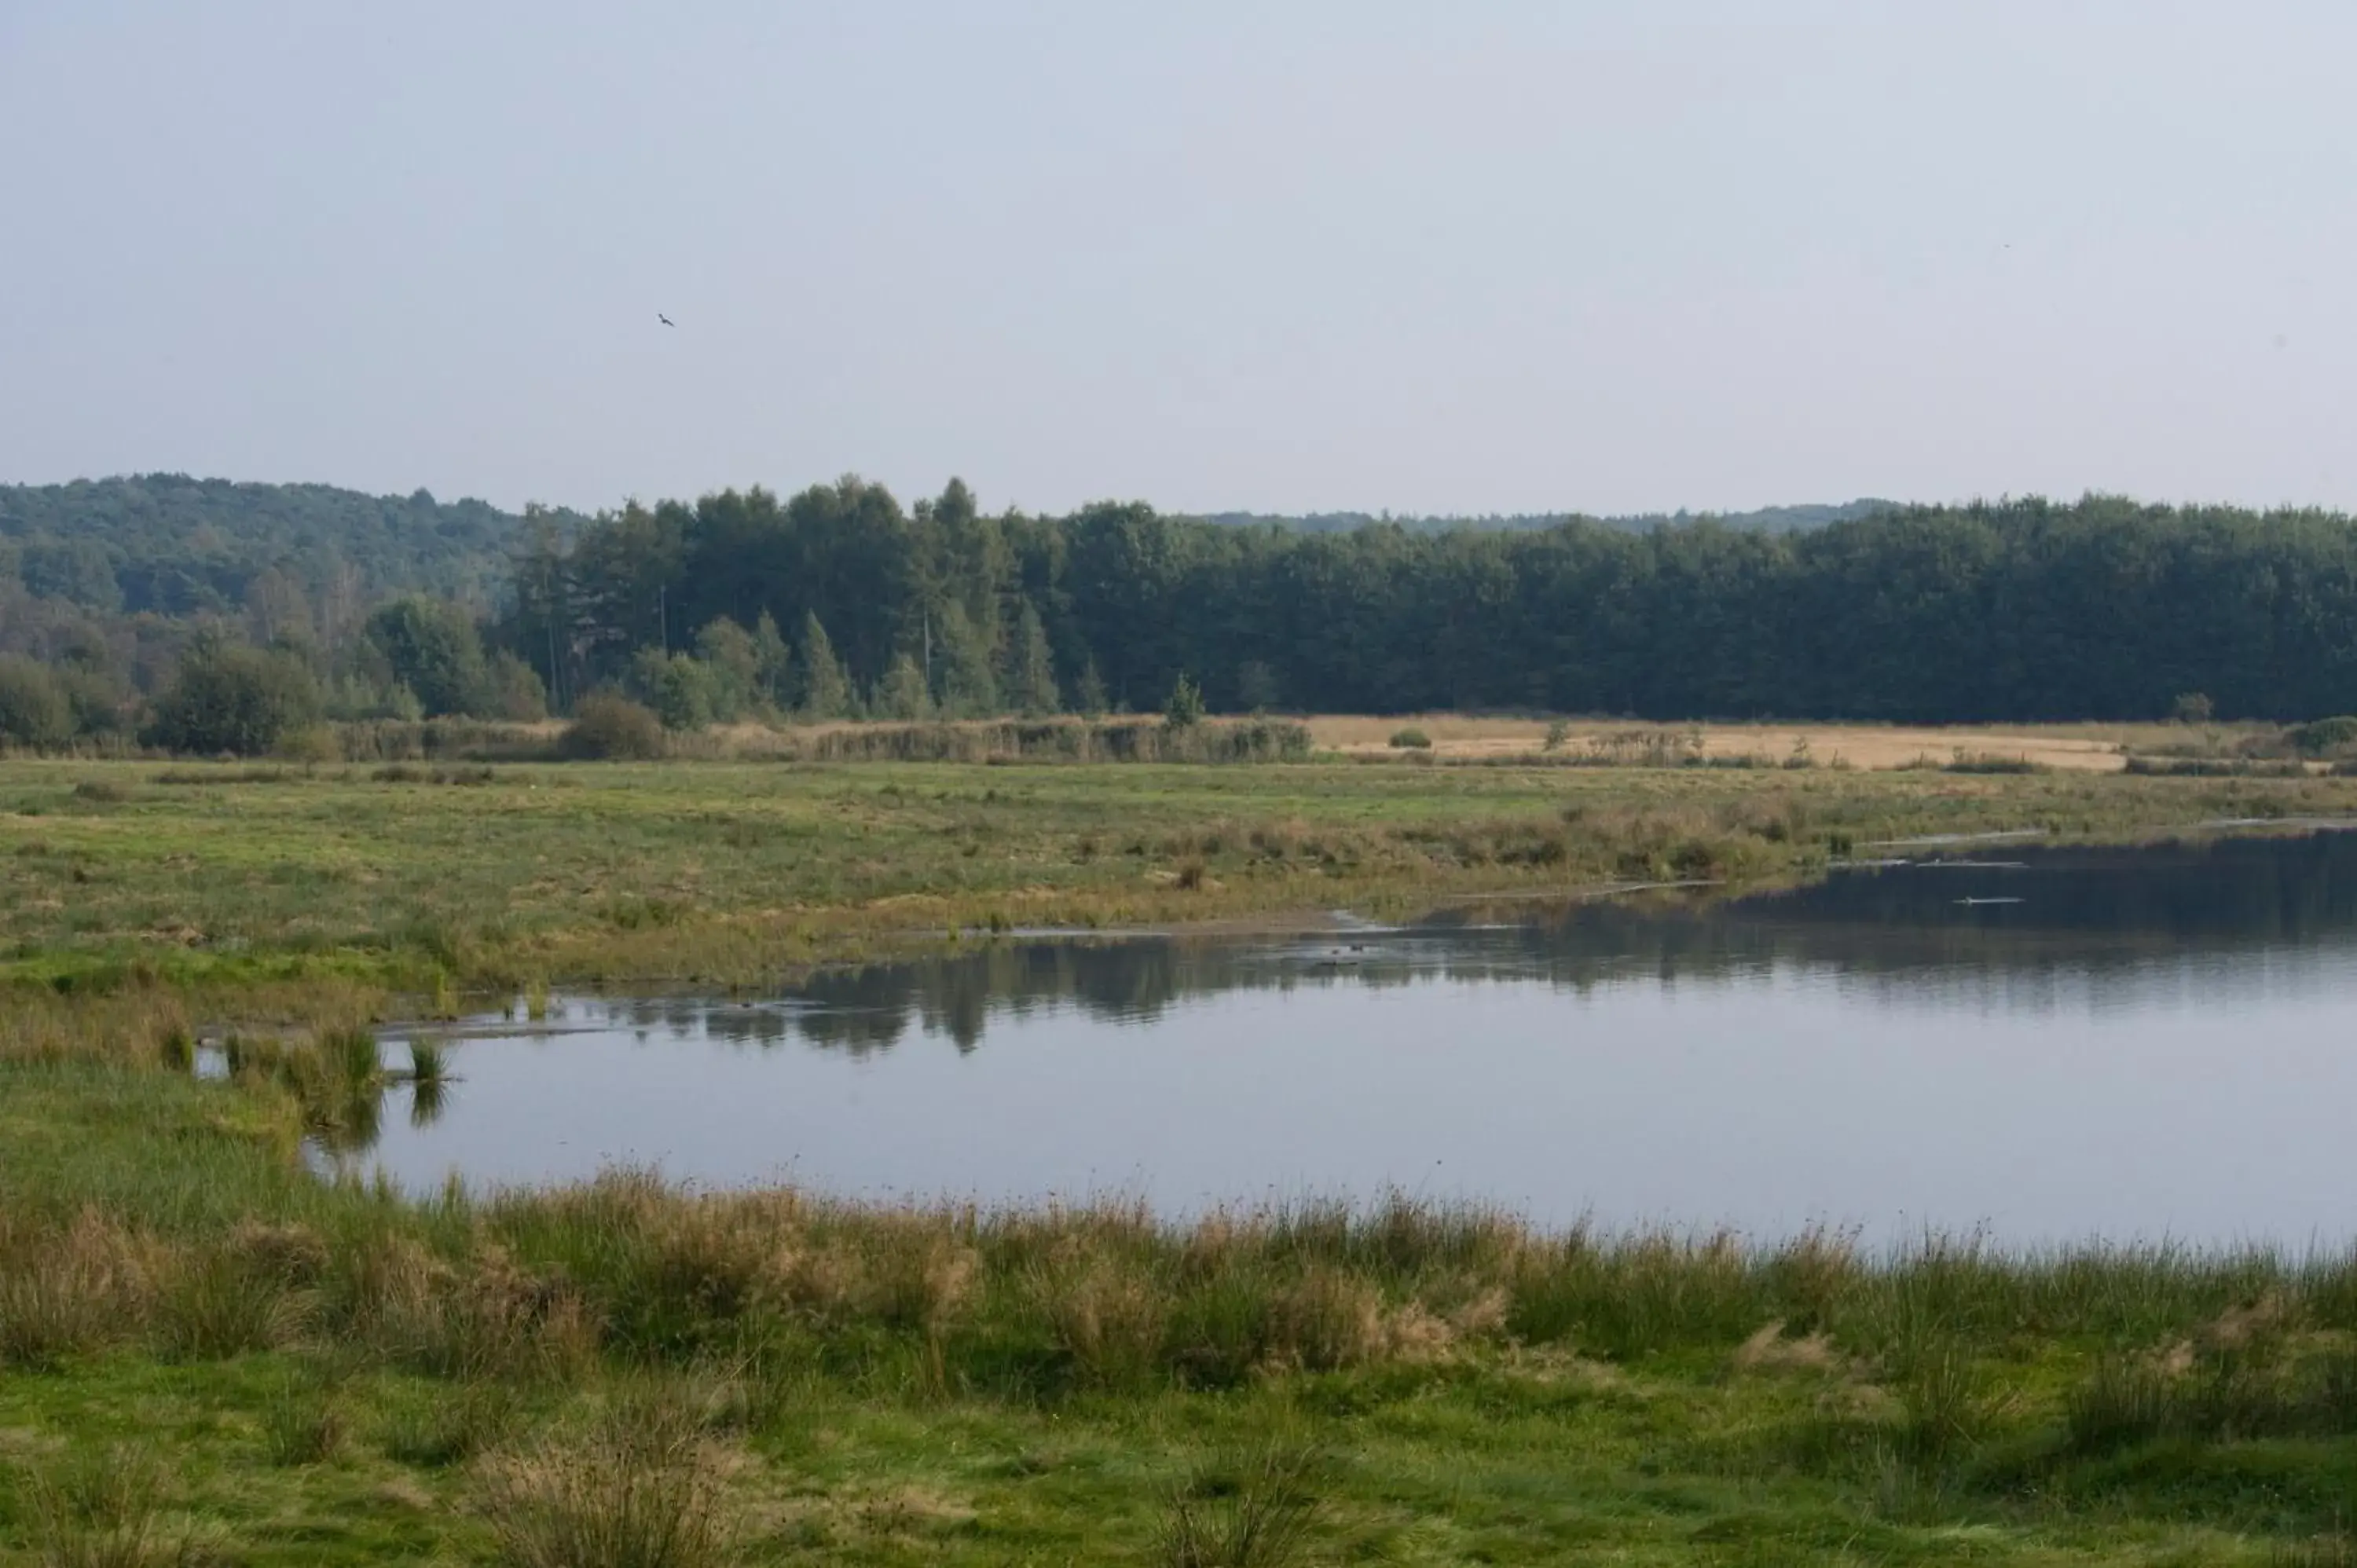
(2050, 1044)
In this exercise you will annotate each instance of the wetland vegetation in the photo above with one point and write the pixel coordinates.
(207, 1354)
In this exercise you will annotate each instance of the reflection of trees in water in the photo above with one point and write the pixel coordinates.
(2101, 922)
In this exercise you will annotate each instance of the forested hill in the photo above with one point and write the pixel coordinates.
(174, 545)
(180, 546)
(1766, 520)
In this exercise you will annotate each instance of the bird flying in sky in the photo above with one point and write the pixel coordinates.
(665, 319)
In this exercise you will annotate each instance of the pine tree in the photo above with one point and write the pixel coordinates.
(1031, 678)
(826, 691)
(903, 694)
(773, 661)
(969, 686)
(1185, 709)
(1089, 696)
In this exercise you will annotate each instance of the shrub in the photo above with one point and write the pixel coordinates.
(1411, 740)
(2213, 767)
(2325, 737)
(513, 689)
(1991, 762)
(1185, 708)
(610, 728)
(229, 698)
(311, 745)
(432, 648)
(1557, 733)
(2192, 708)
(684, 691)
(34, 708)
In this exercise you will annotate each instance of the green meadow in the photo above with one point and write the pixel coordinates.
(491, 876)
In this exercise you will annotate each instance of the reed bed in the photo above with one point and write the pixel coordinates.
(1033, 1304)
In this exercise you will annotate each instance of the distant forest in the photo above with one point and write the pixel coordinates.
(124, 603)
(1767, 520)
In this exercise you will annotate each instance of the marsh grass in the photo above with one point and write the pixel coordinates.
(215, 1303)
(300, 882)
(428, 1079)
(1939, 1382)
(67, 1294)
(1258, 1510)
(105, 1507)
(636, 1490)
(452, 1426)
(302, 1422)
(2212, 1395)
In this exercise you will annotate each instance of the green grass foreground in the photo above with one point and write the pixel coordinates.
(724, 873)
(207, 1356)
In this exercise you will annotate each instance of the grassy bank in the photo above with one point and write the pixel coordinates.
(499, 875)
(201, 1345)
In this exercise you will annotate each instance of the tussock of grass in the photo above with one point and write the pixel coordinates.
(635, 1492)
(105, 1508)
(1259, 1510)
(445, 1429)
(302, 1424)
(68, 1294)
(429, 1061)
(211, 1304)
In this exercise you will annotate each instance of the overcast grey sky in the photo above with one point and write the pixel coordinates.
(1614, 255)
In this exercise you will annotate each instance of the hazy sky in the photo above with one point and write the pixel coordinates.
(1279, 255)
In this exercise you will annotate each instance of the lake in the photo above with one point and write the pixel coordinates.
(2045, 1044)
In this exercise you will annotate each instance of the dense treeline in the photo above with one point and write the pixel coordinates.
(840, 601)
(2017, 610)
